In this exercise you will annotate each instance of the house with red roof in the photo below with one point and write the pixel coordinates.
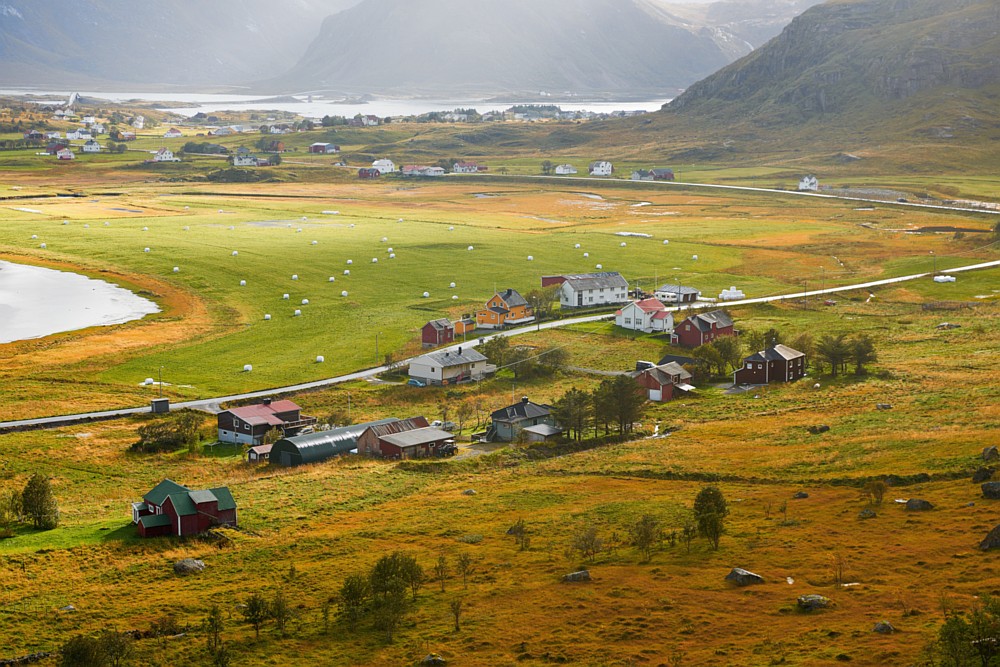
(247, 425)
(173, 509)
(648, 316)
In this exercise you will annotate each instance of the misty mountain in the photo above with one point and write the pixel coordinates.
(855, 57)
(222, 42)
(459, 47)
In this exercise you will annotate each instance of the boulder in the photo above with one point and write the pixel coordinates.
(582, 575)
(742, 577)
(991, 490)
(816, 429)
(992, 540)
(883, 406)
(469, 492)
(188, 566)
(991, 453)
(433, 659)
(813, 601)
(982, 475)
(884, 628)
(918, 505)
(800, 495)
(867, 513)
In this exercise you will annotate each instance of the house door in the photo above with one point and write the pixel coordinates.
(286, 459)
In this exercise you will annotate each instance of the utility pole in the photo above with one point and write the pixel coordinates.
(161, 382)
(377, 333)
(935, 262)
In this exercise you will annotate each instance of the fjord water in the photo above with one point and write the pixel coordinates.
(36, 302)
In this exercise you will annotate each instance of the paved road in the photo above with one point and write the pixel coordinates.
(212, 404)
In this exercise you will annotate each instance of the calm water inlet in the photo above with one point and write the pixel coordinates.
(36, 302)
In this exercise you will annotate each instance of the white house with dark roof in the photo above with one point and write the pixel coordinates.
(451, 366)
(384, 166)
(589, 290)
(565, 170)
(809, 184)
(507, 423)
(601, 168)
(92, 146)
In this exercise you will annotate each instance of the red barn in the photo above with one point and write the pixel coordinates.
(417, 443)
(702, 328)
(778, 363)
(437, 332)
(368, 172)
(661, 381)
(370, 440)
(172, 509)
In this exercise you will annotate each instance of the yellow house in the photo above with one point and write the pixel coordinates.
(505, 308)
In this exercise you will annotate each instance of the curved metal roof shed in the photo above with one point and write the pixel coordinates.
(314, 447)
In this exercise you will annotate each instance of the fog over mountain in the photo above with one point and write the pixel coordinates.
(394, 47)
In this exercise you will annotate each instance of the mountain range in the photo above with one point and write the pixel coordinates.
(394, 47)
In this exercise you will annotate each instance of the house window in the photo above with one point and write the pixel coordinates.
(760, 366)
(628, 320)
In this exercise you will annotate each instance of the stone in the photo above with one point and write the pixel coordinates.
(68, 607)
(582, 575)
(800, 495)
(742, 577)
(991, 453)
(992, 540)
(991, 490)
(867, 513)
(433, 659)
(812, 601)
(469, 492)
(918, 505)
(982, 475)
(818, 428)
(884, 628)
(883, 406)
(188, 566)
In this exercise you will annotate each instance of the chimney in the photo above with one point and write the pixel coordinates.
(524, 399)
(267, 401)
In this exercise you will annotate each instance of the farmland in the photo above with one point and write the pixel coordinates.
(303, 531)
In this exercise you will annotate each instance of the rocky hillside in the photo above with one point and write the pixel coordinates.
(456, 47)
(67, 43)
(850, 57)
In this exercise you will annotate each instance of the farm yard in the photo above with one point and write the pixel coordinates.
(497, 528)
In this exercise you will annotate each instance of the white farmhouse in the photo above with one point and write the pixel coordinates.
(79, 134)
(648, 316)
(450, 367)
(809, 184)
(165, 155)
(601, 168)
(172, 133)
(384, 166)
(244, 160)
(588, 290)
(565, 170)
(92, 147)
(65, 154)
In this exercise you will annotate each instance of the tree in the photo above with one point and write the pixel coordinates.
(588, 543)
(710, 512)
(256, 611)
(213, 626)
(38, 504)
(495, 349)
(730, 350)
(280, 611)
(862, 352)
(688, 533)
(621, 401)
(553, 359)
(272, 436)
(543, 300)
(522, 361)
(833, 351)
(81, 651)
(463, 412)
(441, 570)
(10, 511)
(875, 490)
(646, 535)
(169, 434)
(804, 343)
(519, 531)
(388, 613)
(117, 648)
(275, 159)
(710, 356)
(456, 611)
(547, 167)
(396, 571)
(575, 412)
(354, 595)
(222, 657)
(466, 566)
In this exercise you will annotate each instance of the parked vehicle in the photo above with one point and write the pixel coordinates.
(414, 382)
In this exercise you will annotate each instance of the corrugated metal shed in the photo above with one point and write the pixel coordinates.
(314, 447)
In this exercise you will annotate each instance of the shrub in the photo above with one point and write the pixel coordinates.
(170, 434)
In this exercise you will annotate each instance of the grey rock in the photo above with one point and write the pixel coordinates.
(469, 492)
(991, 453)
(188, 566)
(884, 628)
(818, 428)
(582, 575)
(742, 577)
(800, 495)
(68, 607)
(813, 601)
(433, 659)
(883, 406)
(992, 540)
(982, 475)
(991, 490)
(867, 513)
(918, 505)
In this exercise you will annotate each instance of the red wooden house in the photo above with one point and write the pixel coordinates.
(661, 382)
(703, 328)
(368, 173)
(370, 440)
(417, 443)
(778, 363)
(172, 509)
(437, 332)
(249, 424)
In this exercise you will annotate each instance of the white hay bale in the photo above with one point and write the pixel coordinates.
(314, 242)
(666, 242)
(344, 293)
(350, 261)
(388, 250)
(350, 226)
(42, 245)
(149, 381)
(186, 207)
(623, 244)
(320, 359)
(297, 312)
(298, 231)
(34, 236)
(145, 229)
(577, 246)
(426, 294)
(586, 254)
(385, 239)
(471, 248)
(305, 302)
(236, 253)
(243, 283)
(186, 228)
(65, 222)
(400, 220)
(108, 224)
(531, 258)
(452, 285)
(145, 249)
(332, 279)
(284, 297)
(599, 267)
(295, 276)
(221, 211)
(267, 317)
(305, 218)
(247, 368)
(392, 255)
(86, 226)
(694, 257)
(454, 297)
(347, 272)
(177, 269)
(231, 228)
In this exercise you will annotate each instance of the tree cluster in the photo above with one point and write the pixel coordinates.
(969, 640)
(108, 649)
(615, 405)
(382, 595)
(169, 434)
(35, 504)
(521, 360)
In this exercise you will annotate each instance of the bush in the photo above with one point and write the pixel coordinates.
(38, 504)
(169, 434)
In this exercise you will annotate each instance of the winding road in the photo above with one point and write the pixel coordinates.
(212, 404)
